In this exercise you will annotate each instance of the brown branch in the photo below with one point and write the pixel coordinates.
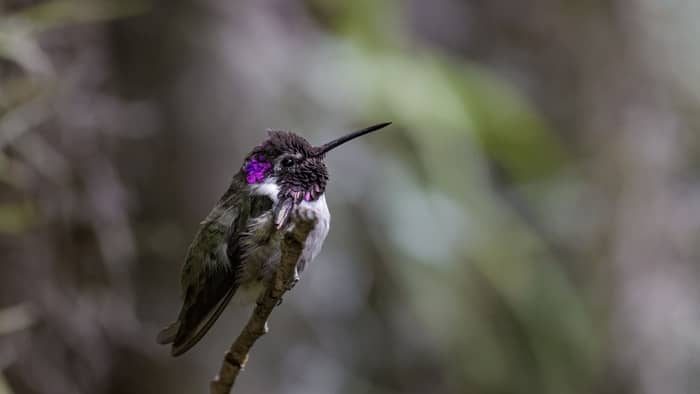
(236, 357)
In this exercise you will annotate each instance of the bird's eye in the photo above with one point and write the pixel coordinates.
(288, 162)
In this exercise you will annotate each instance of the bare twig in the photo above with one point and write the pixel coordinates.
(236, 357)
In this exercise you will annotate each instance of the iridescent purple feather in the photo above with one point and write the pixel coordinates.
(256, 169)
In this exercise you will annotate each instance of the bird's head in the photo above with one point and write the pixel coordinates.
(293, 164)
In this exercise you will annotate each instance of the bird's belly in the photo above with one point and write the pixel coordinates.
(319, 210)
(262, 248)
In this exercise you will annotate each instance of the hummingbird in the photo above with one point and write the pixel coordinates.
(236, 250)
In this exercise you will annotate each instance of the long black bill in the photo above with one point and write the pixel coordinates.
(340, 141)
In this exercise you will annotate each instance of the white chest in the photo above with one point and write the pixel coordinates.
(319, 210)
(262, 252)
(269, 253)
(311, 209)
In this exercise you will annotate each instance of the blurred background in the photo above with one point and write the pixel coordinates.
(529, 224)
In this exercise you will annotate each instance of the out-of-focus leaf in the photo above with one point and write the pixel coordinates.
(16, 217)
(511, 131)
(369, 21)
(15, 91)
(18, 44)
(20, 120)
(4, 386)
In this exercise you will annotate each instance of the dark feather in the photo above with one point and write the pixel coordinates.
(208, 277)
(191, 335)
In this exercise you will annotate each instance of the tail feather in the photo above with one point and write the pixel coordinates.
(186, 337)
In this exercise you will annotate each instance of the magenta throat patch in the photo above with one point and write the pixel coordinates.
(256, 169)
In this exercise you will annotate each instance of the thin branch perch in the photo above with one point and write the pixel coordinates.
(237, 355)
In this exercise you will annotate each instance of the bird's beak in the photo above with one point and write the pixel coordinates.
(323, 149)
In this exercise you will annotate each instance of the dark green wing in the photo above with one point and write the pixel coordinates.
(208, 276)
